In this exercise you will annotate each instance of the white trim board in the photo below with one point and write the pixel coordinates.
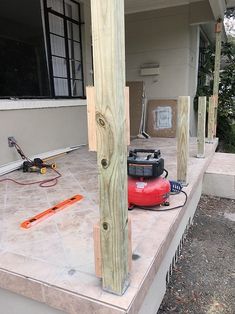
(17, 164)
(15, 104)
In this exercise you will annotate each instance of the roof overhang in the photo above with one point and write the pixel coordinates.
(230, 3)
(218, 7)
(134, 6)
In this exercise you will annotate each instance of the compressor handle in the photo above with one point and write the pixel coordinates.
(157, 153)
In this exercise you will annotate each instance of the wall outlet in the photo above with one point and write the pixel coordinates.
(11, 141)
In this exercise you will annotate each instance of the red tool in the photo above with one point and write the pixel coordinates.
(49, 212)
(146, 187)
(148, 191)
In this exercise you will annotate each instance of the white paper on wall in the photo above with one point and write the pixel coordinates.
(163, 118)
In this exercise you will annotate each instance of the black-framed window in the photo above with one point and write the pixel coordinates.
(41, 49)
(64, 47)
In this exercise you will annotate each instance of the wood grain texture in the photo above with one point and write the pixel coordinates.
(109, 74)
(97, 250)
(218, 37)
(201, 127)
(127, 102)
(216, 99)
(91, 117)
(211, 118)
(91, 108)
(183, 139)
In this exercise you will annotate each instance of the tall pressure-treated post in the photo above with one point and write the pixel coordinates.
(201, 127)
(218, 35)
(183, 139)
(109, 74)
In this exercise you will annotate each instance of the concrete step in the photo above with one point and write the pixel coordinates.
(219, 178)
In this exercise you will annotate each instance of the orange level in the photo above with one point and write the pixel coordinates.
(51, 211)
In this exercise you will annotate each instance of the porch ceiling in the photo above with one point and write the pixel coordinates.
(132, 6)
(230, 3)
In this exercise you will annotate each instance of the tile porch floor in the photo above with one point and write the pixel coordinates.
(53, 261)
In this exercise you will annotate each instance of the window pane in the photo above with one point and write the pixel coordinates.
(72, 10)
(77, 89)
(61, 87)
(74, 50)
(56, 5)
(59, 67)
(76, 69)
(56, 24)
(57, 46)
(73, 31)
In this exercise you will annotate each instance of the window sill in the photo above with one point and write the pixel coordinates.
(39, 103)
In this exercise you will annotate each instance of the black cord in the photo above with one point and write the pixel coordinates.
(166, 175)
(163, 210)
(20, 152)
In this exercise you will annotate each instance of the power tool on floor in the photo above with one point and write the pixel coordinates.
(36, 165)
(146, 185)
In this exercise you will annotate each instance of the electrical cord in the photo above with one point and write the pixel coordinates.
(166, 173)
(163, 210)
(41, 183)
(20, 152)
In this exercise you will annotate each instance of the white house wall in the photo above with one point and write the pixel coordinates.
(41, 130)
(164, 37)
(159, 37)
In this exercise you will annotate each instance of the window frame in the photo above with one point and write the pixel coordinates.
(9, 102)
(46, 11)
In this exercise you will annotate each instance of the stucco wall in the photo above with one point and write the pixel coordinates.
(41, 130)
(164, 37)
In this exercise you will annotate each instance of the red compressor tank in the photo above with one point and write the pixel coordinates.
(148, 191)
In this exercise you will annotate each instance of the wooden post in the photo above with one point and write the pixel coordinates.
(127, 100)
(183, 139)
(218, 35)
(91, 120)
(211, 119)
(109, 73)
(216, 99)
(91, 107)
(201, 127)
(97, 252)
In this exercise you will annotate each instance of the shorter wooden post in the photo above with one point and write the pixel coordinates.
(201, 127)
(183, 139)
(211, 119)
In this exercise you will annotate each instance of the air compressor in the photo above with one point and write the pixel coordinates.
(147, 179)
